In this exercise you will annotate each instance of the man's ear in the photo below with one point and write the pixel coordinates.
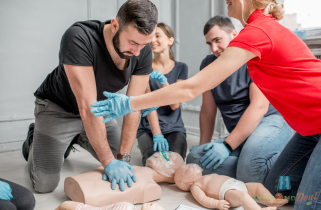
(114, 25)
(234, 33)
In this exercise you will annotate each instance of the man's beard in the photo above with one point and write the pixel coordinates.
(117, 46)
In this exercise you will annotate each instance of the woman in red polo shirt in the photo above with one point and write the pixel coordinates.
(286, 72)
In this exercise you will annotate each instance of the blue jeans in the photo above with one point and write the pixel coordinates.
(253, 159)
(301, 161)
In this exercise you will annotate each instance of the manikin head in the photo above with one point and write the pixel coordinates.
(163, 40)
(165, 163)
(218, 32)
(134, 27)
(242, 9)
(151, 206)
(187, 175)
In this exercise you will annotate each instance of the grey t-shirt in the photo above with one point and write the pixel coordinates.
(169, 120)
(232, 96)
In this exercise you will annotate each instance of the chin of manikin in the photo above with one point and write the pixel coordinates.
(151, 206)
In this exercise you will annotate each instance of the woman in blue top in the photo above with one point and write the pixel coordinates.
(163, 129)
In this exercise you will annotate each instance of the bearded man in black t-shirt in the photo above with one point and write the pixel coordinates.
(94, 57)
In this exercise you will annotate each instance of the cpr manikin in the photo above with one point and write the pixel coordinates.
(222, 192)
(89, 188)
(72, 205)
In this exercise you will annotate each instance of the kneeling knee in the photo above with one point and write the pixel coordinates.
(46, 184)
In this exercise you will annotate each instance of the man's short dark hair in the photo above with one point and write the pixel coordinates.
(223, 22)
(142, 13)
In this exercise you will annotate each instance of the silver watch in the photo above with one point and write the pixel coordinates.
(125, 157)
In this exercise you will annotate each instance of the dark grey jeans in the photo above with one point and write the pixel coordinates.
(22, 198)
(54, 130)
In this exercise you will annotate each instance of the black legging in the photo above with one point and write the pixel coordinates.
(176, 140)
(23, 198)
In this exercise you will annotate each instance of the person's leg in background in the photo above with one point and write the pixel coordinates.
(177, 142)
(54, 130)
(7, 205)
(113, 138)
(228, 167)
(300, 161)
(22, 198)
(262, 148)
(146, 146)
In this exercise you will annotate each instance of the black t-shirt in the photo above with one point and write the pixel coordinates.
(232, 96)
(169, 120)
(83, 44)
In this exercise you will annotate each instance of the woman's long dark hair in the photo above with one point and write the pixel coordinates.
(169, 33)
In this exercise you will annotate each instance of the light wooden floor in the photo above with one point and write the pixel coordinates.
(13, 167)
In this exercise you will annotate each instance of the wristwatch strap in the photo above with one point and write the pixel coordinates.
(228, 146)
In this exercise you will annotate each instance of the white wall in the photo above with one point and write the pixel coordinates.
(30, 38)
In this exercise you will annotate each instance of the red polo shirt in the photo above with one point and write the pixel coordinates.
(285, 70)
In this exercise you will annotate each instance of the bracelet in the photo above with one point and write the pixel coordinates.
(228, 146)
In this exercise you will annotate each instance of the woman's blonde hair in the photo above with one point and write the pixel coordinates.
(271, 7)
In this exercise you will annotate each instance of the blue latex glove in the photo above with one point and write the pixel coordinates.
(193, 148)
(5, 191)
(216, 154)
(119, 172)
(160, 143)
(147, 111)
(115, 106)
(155, 75)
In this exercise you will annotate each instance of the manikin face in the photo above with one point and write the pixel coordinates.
(128, 41)
(161, 42)
(218, 40)
(151, 206)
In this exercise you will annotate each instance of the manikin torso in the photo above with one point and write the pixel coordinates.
(89, 188)
(211, 184)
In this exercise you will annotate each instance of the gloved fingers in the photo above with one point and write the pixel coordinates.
(105, 177)
(159, 146)
(155, 147)
(153, 75)
(219, 163)
(10, 195)
(109, 95)
(99, 103)
(166, 146)
(134, 178)
(144, 113)
(113, 184)
(208, 146)
(110, 117)
(163, 146)
(209, 159)
(101, 108)
(121, 184)
(101, 114)
(212, 162)
(207, 154)
(192, 148)
(129, 180)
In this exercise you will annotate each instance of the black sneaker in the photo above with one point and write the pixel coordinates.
(71, 147)
(28, 142)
